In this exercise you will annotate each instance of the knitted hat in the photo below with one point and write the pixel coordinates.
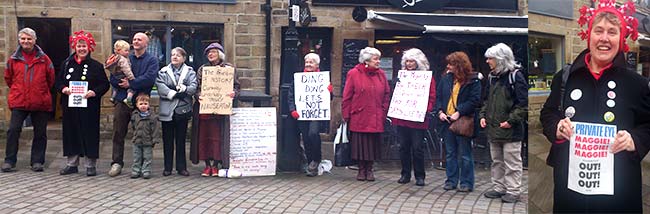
(214, 45)
(624, 13)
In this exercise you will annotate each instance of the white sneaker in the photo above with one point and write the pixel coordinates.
(116, 169)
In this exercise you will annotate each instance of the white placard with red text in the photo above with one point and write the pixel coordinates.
(591, 165)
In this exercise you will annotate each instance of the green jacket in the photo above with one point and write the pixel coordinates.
(507, 101)
(146, 130)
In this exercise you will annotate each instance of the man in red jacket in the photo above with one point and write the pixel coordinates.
(29, 75)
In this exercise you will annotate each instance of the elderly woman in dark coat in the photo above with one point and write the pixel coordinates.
(364, 107)
(209, 130)
(81, 124)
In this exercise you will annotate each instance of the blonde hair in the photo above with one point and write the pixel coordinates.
(142, 97)
(121, 44)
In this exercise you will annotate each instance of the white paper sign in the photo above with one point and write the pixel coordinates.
(411, 96)
(311, 95)
(253, 141)
(76, 98)
(591, 165)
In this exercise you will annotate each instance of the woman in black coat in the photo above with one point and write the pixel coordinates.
(81, 124)
(600, 89)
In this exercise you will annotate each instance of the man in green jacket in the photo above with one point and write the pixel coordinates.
(502, 116)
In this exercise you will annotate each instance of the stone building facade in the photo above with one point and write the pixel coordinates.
(242, 32)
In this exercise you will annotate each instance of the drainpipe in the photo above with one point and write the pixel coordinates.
(267, 63)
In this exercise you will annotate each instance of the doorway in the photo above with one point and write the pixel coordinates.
(52, 36)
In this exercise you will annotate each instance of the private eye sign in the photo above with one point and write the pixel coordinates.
(591, 165)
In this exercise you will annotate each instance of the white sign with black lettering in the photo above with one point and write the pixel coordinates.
(312, 98)
(253, 141)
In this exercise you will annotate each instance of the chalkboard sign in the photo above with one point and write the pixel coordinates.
(351, 49)
(631, 61)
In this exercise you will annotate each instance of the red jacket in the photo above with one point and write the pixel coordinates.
(427, 119)
(30, 82)
(365, 99)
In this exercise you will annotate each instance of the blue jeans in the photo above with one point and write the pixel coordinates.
(456, 146)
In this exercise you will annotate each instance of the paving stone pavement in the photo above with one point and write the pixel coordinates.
(25, 191)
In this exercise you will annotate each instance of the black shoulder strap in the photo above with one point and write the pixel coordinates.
(566, 71)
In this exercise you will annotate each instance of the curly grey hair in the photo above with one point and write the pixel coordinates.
(367, 53)
(417, 56)
(504, 58)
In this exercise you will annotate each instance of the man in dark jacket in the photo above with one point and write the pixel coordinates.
(30, 76)
(502, 115)
(599, 89)
(145, 69)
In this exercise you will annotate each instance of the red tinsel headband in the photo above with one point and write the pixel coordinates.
(81, 35)
(624, 13)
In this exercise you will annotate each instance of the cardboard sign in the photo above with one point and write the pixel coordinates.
(411, 96)
(253, 141)
(79, 90)
(311, 95)
(216, 84)
(591, 165)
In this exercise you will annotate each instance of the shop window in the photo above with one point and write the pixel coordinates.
(546, 58)
(165, 36)
(313, 40)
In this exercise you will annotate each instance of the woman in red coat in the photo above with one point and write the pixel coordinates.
(364, 107)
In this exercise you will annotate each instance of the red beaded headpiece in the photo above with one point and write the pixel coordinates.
(81, 35)
(624, 13)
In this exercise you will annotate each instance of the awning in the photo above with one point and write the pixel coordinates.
(455, 23)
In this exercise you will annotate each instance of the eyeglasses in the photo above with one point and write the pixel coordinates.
(213, 51)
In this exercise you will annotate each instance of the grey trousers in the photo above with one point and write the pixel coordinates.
(73, 161)
(142, 157)
(506, 167)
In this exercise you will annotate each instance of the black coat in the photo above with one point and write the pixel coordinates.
(81, 125)
(632, 113)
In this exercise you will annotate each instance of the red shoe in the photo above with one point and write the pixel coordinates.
(215, 172)
(206, 172)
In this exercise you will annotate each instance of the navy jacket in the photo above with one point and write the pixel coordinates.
(145, 69)
(469, 95)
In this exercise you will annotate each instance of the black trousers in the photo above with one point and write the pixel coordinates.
(174, 133)
(311, 140)
(39, 142)
(411, 151)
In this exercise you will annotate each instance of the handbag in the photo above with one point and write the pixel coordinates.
(342, 147)
(464, 126)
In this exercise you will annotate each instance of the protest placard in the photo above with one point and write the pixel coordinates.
(216, 84)
(253, 141)
(78, 91)
(312, 98)
(591, 165)
(411, 96)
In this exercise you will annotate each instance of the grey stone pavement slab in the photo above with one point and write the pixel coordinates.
(24, 191)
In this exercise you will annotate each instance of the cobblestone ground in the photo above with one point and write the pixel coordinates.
(25, 191)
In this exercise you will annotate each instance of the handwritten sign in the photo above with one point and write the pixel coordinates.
(76, 98)
(216, 84)
(311, 95)
(411, 96)
(253, 141)
(591, 165)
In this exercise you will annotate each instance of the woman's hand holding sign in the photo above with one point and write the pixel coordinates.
(564, 129)
(623, 141)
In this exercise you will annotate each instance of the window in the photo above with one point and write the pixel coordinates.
(165, 36)
(546, 58)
